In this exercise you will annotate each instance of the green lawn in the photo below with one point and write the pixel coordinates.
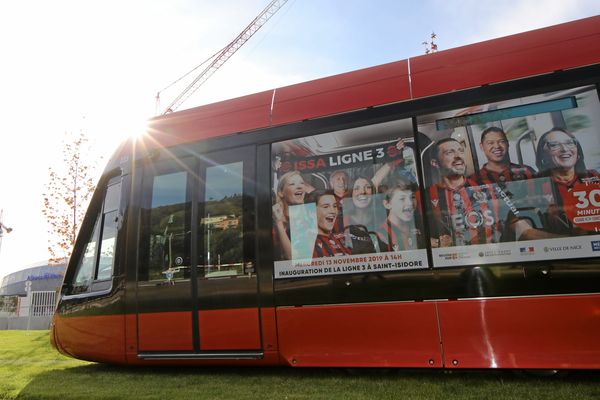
(31, 369)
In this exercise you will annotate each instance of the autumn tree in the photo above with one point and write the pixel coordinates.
(68, 192)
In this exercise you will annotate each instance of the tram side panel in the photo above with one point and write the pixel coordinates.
(360, 335)
(95, 338)
(545, 333)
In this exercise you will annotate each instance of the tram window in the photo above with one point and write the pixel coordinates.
(113, 196)
(165, 231)
(97, 260)
(515, 180)
(107, 246)
(85, 269)
(347, 202)
(106, 258)
(222, 222)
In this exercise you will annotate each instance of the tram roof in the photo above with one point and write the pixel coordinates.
(541, 51)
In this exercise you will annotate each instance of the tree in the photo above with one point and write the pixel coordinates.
(68, 193)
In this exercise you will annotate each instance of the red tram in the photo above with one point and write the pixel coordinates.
(437, 212)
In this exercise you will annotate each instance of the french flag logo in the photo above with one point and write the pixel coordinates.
(527, 250)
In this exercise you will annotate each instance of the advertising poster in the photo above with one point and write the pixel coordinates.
(513, 181)
(347, 202)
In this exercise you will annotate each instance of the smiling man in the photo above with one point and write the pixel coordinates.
(461, 214)
(498, 168)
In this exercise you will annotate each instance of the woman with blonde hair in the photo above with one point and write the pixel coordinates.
(291, 190)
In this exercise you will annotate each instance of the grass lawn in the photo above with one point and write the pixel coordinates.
(31, 369)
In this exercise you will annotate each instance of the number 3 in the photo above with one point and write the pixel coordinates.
(584, 199)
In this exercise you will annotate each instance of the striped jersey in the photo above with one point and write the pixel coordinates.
(468, 214)
(329, 246)
(514, 172)
(396, 238)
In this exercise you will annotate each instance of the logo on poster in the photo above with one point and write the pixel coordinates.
(530, 250)
(454, 256)
(595, 245)
(448, 256)
(550, 249)
(495, 253)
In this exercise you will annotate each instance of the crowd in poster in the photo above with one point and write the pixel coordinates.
(512, 181)
(352, 209)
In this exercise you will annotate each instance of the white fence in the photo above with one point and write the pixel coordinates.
(42, 303)
(33, 312)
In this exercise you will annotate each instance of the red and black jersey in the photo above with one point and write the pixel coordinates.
(329, 246)
(514, 172)
(339, 220)
(397, 239)
(555, 192)
(469, 214)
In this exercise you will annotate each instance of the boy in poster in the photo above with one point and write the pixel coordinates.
(327, 243)
(402, 228)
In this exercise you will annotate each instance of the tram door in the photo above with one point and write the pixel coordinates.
(197, 286)
(228, 314)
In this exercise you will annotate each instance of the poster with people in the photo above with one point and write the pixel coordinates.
(347, 202)
(513, 181)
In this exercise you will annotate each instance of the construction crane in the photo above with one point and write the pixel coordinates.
(221, 57)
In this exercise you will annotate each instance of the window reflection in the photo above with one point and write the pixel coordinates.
(221, 223)
(107, 246)
(166, 233)
(85, 269)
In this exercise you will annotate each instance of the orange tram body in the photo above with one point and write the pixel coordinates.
(221, 236)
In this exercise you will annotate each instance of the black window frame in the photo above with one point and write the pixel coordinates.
(152, 169)
(95, 215)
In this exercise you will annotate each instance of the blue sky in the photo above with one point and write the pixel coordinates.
(96, 66)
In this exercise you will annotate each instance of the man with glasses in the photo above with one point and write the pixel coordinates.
(461, 214)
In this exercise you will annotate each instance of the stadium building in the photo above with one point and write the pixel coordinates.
(43, 277)
(28, 297)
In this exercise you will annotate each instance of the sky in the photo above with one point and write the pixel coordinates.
(96, 66)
